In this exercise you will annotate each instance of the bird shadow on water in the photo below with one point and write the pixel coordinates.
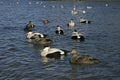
(73, 71)
(46, 59)
(79, 72)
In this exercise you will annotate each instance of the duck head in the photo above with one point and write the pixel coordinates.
(74, 51)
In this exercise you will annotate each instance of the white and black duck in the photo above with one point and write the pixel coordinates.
(74, 11)
(71, 24)
(77, 36)
(53, 52)
(31, 34)
(59, 30)
(83, 20)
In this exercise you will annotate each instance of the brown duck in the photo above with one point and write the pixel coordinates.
(82, 59)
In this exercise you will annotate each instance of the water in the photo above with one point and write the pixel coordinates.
(20, 60)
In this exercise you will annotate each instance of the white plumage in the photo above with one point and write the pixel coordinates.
(71, 24)
(48, 50)
(31, 34)
(52, 52)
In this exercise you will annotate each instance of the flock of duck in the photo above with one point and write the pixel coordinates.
(47, 51)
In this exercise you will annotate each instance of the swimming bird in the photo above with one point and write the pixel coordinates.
(45, 21)
(82, 59)
(52, 52)
(36, 39)
(59, 30)
(77, 36)
(89, 7)
(74, 11)
(44, 41)
(71, 24)
(82, 20)
(29, 27)
(31, 34)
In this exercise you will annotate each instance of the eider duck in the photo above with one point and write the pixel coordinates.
(29, 27)
(77, 36)
(59, 30)
(71, 24)
(89, 7)
(74, 11)
(45, 21)
(44, 41)
(31, 34)
(82, 20)
(82, 59)
(41, 40)
(53, 52)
